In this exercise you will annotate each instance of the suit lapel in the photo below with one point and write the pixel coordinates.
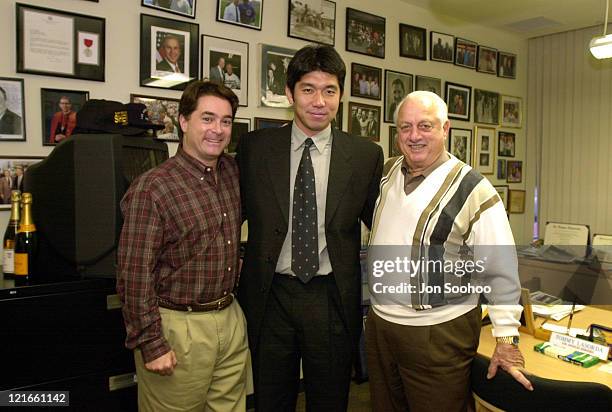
(340, 172)
(278, 166)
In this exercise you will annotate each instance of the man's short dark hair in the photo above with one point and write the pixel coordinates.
(315, 58)
(3, 92)
(199, 88)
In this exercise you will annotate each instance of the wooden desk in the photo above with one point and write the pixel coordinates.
(551, 368)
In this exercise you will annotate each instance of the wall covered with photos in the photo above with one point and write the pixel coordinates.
(495, 144)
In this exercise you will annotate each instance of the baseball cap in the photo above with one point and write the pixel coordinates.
(107, 116)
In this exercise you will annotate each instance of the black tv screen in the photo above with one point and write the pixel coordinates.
(76, 192)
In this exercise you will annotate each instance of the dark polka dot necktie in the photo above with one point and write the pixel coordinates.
(304, 234)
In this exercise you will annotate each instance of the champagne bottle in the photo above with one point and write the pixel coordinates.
(26, 243)
(10, 235)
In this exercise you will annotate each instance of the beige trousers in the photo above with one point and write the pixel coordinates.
(210, 375)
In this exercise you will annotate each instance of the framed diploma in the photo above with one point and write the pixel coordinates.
(58, 43)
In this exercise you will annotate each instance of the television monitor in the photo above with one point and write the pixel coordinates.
(76, 192)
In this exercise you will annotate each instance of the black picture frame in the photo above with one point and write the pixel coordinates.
(393, 146)
(458, 100)
(338, 121)
(486, 107)
(371, 124)
(487, 60)
(57, 43)
(161, 110)
(366, 88)
(465, 53)
(267, 123)
(255, 21)
(357, 21)
(460, 142)
(232, 51)
(12, 163)
(169, 9)
(240, 126)
(429, 84)
(55, 124)
(12, 124)
(397, 86)
(413, 41)
(506, 65)
(441, 47)
(155, 70)
(506, 143)
(310, 25)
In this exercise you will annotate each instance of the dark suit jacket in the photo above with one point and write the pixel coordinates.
(165, 66)
(10, 123)
(354, 176)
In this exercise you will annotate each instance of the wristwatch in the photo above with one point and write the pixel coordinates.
(512, 340)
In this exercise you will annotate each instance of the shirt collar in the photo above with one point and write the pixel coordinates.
(321, 139)
(429, 170)
(194, 166)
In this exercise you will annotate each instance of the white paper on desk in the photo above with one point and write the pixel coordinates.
(606, 367)
(563, 329)
(556, 312)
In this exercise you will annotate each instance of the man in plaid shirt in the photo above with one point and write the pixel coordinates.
(178, 266)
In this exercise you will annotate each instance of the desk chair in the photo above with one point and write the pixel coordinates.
(503, 393)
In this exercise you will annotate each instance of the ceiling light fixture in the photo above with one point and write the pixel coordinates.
(601, 46)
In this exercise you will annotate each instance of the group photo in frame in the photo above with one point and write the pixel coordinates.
(312, 20)
(240, 126)
(397, 86)
(487, 60)
(486, 107)
(514, 173)
(366, 81)
(12, 170)
(516, 201)
(484, 149)
(226, 61)
(394, 149)
(59, 113)
(59, 43)
(274, 62)
(441, 47)
(267, 123)
(465, 53)
(364, 121)
(164, 111)
(506, 65)
(506, 143)
(365, 33)
(12, 103)
(428, 84)
(168, 52)
(460, 144)
(413, 42)
(245, 13)
(458, 100)
(512, 111)
(185, 8)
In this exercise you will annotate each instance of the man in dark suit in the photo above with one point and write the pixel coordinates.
(299, 308)
(171, 48)
(10, 123)
(217, 72)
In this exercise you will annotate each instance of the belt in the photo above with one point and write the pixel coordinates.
(218, 304)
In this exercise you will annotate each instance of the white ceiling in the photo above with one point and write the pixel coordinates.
(525, 18)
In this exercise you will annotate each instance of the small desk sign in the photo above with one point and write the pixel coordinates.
(594, 349)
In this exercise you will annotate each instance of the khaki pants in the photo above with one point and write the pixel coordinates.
(210, 375)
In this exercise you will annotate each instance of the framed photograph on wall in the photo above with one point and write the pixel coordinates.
(161, 110)
(240, 126)
(185, 8)
(506, 65)
(12, 169)
(516, 201)
(506, 143)
(429, 84)
(364, 121)
(274, 63)
(465, 53)
(487, 60)
(413, 42)
(227, 61)
(243, 13)
(486, 107)
(441, 47)
(512, 111)
(266, 123)
(460, 144)
(458, 101)
(365, 33)
(338, 121)
(514, 173)
(397, 86)
(312, 20)
(501, 169)
(366, 81)
(502, 191)
(58, 43)
(484, 149)
(12, 101)
(168, 52)
(59, 113)
(394, 149)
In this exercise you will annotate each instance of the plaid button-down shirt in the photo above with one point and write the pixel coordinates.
(179, 242)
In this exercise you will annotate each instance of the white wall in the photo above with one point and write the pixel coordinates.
(122, 63)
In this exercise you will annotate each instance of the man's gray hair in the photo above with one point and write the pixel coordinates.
(426, 98)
